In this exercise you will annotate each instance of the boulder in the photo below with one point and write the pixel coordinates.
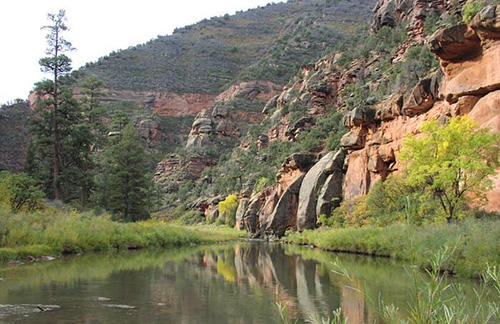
(214, 214)
(423, 96)
(284, 215)
(330, 195)
(270, 105)
(486, 23)
(464, 105)
(456, 43)
(354, 140)
(262, 141)
(359, 117)
(389, 109)
(312, 184)
(384, 15)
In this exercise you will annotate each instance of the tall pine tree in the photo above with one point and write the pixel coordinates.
(57, 64)
(129, 182)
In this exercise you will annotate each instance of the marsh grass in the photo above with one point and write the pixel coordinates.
(439, 299)
(476, 243)
(52, 232)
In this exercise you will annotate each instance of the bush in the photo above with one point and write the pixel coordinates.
(20, 192)
(227, 209)
(471, 9)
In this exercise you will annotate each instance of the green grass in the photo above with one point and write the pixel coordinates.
(476, 243)
(52, 232)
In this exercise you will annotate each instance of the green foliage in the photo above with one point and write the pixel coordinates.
(51, 231)
(128, 183)
(261, 184)
(431, 24)
(19, 192)
(470, 9)
(257, 44)
(475, 242)
(326, 133)
(227, 210)
(453, 162)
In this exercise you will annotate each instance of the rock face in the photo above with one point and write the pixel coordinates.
(274, 209)
(230, 115)
(314, 180)
(469, 84)
(173, 170)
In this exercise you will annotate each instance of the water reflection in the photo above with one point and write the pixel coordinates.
(238, 283)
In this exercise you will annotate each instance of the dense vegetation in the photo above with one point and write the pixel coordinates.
(269, 43)
(13, 133)
(51, 231)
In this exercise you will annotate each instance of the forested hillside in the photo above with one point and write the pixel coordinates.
(267, 43)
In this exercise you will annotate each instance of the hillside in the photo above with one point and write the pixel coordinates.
(266, 43)
(13, 134)
(336, 130)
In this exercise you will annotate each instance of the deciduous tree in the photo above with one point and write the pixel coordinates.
(454, 161)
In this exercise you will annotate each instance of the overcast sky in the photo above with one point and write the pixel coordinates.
(97, 28)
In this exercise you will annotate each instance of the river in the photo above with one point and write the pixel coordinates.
(229, 283)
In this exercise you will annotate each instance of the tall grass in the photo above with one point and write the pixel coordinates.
(440, 300)
(54, 232)
(476, 243)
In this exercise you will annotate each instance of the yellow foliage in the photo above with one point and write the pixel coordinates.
(228, 209)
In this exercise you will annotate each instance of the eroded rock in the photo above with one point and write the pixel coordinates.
(312, 184)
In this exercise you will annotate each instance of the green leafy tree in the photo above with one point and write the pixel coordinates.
(227, 209)
(19, 192)
(129, 183)
(454, 162)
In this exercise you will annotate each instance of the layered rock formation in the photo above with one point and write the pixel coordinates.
(468, 82)
(469, 56)
(231, 114)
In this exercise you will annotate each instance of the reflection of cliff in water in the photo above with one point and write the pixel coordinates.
(304, 286)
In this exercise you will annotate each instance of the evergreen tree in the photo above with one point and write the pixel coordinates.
(58, 64)
(129, 182)
(91, 125)
(56, 112)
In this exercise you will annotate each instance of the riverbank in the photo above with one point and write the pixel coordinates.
(53, 233)
(473, 244)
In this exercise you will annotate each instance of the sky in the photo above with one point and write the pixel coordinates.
(97, 27)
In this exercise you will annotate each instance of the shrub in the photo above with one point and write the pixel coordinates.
(471, 9)
(19, 192)
(261, 184)
(227, 209)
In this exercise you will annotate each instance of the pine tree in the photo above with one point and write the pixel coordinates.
(58, 64)
(91, 122)
(128, 180)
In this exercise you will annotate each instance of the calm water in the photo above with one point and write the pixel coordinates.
(236, 283)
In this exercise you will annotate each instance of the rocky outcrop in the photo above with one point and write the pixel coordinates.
(423, 96)
(160, 103)
(274, 209)
(468, 84)
(174, 169)
(313, 183)
(229, 117)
